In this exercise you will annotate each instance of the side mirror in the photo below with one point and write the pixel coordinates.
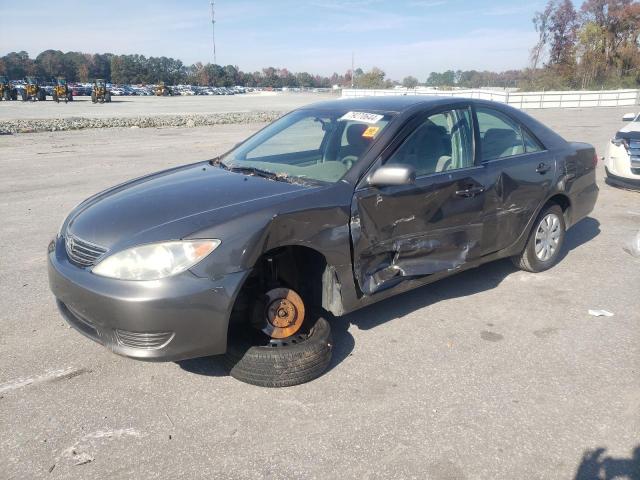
(392, 175)
(629, 117)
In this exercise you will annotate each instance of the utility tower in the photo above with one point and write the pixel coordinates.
(213, 29)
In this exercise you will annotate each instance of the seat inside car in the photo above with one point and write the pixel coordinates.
(500, 142)
(427, 151)
(356, 144)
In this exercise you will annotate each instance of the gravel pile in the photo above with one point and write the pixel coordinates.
(77, 123)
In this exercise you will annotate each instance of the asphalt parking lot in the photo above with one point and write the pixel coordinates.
(490, 374)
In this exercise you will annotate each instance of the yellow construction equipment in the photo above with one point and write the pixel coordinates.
(32, 90)
(61, 91)
(162, 90)
(100, 93)
(7, 91)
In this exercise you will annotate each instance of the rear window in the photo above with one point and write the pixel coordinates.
(503, 137)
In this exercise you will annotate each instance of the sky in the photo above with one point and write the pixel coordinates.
(402, 37)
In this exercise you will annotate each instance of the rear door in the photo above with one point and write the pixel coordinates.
(411, 231)
(519, 175)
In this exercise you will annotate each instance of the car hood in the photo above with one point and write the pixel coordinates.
(631, 130)
(171, 204)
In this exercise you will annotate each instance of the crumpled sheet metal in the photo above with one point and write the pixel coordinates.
(385, 264)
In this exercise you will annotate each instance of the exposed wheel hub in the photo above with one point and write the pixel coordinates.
(284, 313)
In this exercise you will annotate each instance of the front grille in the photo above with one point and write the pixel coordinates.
(81, 252)
(144, 340)
(634, 153)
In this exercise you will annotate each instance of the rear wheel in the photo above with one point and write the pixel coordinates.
(107, 97)
(94, 99)
(545, 242)
(6, 95)
(282, 344)
(55, 97)
(24, 96)
(42, 96)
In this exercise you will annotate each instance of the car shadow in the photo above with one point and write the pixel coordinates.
(207, 366)
(470, 282)
(581, 233)
(596, 466)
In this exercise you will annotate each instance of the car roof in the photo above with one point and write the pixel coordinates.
(391, 103)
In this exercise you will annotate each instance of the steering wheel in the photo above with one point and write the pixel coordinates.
(349, 160)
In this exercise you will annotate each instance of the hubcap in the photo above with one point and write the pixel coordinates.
(283, 314)
(548, 237)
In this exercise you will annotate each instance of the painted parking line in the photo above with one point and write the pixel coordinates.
(50, 376)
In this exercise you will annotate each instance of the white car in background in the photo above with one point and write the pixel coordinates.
(622, 162)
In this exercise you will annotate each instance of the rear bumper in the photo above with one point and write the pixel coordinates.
(172, 319)
(583, 197)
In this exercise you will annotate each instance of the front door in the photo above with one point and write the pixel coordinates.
(434, 225)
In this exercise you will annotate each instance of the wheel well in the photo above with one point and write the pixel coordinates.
(300, 268)
(562, 201)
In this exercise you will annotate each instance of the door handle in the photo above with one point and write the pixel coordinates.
(543, 168)
(471, 191)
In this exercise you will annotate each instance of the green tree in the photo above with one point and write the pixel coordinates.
(410, 82)
(374, 78)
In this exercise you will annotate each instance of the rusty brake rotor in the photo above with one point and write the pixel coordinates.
(283, 313)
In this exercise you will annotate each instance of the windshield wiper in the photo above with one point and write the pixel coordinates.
(259, 172)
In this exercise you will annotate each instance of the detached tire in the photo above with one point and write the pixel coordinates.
(283, 363)
(545, 241)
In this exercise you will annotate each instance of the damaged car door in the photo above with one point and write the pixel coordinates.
(520, 172)
(430, 224)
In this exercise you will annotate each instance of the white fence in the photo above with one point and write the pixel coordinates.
(551, 99)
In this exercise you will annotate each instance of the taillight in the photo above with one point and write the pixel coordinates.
(595, 159)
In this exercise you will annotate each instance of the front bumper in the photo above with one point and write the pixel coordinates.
(175, 318)
(624, 182)
(621, 168)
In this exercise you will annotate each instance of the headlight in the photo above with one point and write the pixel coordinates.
(156, 260)
(619, 142)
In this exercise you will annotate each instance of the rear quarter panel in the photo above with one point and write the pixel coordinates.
(577, 179)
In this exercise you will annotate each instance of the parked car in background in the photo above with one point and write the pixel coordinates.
(81, 89)
(332, 207)
(622, 163)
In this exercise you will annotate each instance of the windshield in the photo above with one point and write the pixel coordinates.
(62, 81)
(100, 83)
(310, 144)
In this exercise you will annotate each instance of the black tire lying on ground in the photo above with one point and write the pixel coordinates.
(284, 363)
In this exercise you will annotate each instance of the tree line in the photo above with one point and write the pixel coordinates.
(138, 69)
(593, 47)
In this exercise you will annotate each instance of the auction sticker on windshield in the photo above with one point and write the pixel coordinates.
(370, 132)
(362, 117)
